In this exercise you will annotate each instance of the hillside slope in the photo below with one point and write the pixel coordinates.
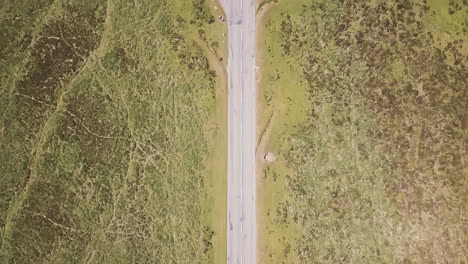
(107, 124)
(366, 106)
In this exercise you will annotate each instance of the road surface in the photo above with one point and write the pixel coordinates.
(241, 200)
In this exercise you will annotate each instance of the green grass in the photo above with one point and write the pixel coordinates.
(369, 132)
(107, 119)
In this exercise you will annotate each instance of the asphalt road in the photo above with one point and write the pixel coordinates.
(241, 200)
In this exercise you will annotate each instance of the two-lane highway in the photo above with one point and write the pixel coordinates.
(241, 200)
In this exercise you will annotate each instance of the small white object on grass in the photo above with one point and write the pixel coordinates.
(269, 157)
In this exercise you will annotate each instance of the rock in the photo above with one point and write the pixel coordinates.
(269, 157)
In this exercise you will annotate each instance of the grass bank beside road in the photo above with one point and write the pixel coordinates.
(367, 101)
(108, 119)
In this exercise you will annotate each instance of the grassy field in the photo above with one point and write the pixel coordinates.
(364, 103)
(109, 118)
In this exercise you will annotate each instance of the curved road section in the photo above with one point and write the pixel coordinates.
(241, 207)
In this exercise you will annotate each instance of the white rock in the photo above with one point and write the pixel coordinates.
(269, 157)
